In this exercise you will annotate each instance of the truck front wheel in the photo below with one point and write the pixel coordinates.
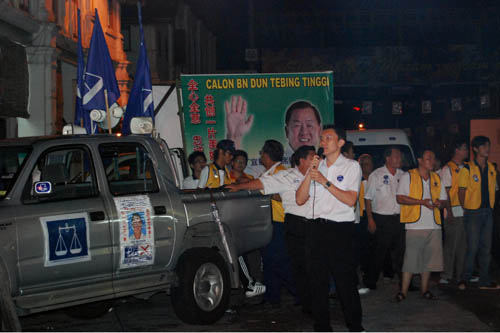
(203, 290)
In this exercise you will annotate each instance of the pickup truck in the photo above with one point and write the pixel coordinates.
(90, 218)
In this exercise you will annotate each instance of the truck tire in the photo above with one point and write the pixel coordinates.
(9, 321)
(203, 291)
(90, 310)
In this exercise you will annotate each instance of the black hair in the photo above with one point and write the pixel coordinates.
(422, 150)
(388, 151)
(301, 105)
(340, 131)
(274, 149)
(193, 156)
(348, 145)
(457, 144)
(478, 141)
(240, 152)
(301, 152)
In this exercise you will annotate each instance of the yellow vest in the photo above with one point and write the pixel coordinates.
(411, 213)
(277, 206)
(454, 170)
(470, 179)
(361, 199)
(213, 176)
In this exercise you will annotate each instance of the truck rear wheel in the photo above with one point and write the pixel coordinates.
(203, 290)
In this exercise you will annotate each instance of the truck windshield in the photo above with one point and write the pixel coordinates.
(377, 153)
(11, 163)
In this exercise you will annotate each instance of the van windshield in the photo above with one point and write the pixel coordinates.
(11, 162)
(377, 153)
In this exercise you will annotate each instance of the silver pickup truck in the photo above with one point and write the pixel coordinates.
(93, 218)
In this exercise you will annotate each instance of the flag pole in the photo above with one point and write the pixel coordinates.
(107, 110)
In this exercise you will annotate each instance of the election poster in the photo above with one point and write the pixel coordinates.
(136, 231)
(252, 108)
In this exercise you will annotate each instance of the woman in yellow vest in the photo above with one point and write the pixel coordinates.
(476, 192)
(420, 194)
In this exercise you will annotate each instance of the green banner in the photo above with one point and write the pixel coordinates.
(252, 108)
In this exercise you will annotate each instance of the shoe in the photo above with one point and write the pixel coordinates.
(491, 286)
(430, 296)
(255, 290)
(462, 285)
(363, 291)
(399, 297)
(474, 279)
(444, 281)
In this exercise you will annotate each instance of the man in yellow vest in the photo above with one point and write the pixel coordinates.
(421, 193)
(216, 174)
(455, 242)
(476, 192)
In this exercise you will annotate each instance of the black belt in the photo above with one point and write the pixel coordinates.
(322, 220)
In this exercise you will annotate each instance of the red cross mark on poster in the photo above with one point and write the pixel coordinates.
(144, 250)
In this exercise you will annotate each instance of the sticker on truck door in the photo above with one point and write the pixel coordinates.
(66, 238)
(136, 231)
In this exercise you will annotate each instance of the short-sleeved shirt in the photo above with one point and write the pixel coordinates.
(344, 174)
(190, 183)
(286, 183)
(381, 190)
(445, 175)
(426, 220)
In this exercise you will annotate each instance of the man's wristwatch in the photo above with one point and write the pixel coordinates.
(328, 184)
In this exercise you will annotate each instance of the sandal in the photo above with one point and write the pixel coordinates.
(430, 296)
(400, 297)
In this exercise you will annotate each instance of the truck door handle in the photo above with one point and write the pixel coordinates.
(160, 210)
(97, 216)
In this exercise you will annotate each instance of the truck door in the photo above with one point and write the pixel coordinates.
(143, 227)
(64, 238)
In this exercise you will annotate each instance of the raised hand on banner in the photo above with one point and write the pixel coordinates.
(237, 122)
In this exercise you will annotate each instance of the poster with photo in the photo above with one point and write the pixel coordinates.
(136, 231)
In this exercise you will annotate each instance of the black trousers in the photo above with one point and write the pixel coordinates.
(295, 238)
(331, 252)
(389, 238)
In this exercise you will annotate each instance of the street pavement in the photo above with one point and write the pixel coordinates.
(470, 310)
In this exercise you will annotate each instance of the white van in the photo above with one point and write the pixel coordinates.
(375, 141)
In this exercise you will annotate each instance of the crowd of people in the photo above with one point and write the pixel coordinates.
(337, 221)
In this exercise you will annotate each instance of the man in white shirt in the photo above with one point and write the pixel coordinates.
(382, 212)
(455, 242)
(286, 183)
(421, 193)
(333, 185)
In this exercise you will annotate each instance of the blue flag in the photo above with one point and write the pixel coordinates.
(82, 117)
(140, 102)
(99, 74)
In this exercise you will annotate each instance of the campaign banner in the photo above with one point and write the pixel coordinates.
(137, 247)
(252, 108)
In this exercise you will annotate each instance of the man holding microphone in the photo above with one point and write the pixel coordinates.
(333, 185)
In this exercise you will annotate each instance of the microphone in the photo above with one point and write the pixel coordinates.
(320, 152)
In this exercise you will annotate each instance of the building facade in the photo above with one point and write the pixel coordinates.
(38, 44)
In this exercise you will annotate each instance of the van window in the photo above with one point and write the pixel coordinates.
(377, 153)
(129, 168)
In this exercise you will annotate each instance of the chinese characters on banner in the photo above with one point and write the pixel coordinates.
(196, 119)
(137, 246)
